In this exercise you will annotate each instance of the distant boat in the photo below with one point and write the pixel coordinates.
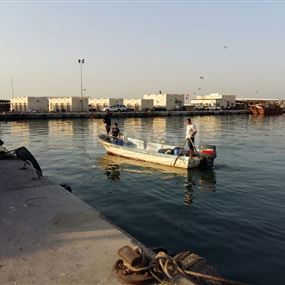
(253, 110)
(266, 109)
(157, 153)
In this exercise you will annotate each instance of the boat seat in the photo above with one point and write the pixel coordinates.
(167, 146)
(139, 144)
(156, 146)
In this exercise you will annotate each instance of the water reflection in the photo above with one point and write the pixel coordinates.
(20, 131)
(194, 180)
(62, 127)
(112, 172)
(138, 127)
(203, 180)
(257, 120)
(131, 127)
(188, 197)
(145, 167)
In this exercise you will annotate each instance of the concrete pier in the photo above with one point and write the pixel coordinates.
(48, 236)
(14, 116)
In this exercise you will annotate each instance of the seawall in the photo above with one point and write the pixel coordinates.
(13, 116)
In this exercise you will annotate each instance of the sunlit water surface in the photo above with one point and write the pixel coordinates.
(234, 214)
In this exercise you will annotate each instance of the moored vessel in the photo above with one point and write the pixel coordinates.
(266, 109)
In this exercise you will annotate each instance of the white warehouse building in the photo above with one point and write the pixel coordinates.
(214, 101)
(24, 104)
(68, 104)
(139, 104)
(166, 101)
(100, 103)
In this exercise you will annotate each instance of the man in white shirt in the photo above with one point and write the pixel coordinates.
(191, 131)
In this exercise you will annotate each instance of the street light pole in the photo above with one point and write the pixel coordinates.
(12, 87)
(81, 61)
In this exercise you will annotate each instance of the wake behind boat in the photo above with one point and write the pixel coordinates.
(159, 154)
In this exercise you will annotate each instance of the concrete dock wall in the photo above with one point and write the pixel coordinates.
(98, 115)
(48, 236)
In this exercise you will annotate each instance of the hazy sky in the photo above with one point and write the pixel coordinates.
(135, 48)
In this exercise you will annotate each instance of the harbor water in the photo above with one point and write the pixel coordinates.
(233, 214)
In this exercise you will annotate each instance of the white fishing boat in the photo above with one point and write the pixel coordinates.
(158, 153)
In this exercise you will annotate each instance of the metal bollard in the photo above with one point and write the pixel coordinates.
(129, 255)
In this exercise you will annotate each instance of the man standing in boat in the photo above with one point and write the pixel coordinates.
(107, 121)
(191, 131)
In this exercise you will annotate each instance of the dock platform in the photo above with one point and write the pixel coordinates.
(49, 236)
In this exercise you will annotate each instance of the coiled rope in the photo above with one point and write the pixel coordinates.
(164, 265)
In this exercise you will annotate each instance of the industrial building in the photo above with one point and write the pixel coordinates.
(68, 104)
(100, 103)
(214, 101)
(29, 104)
(139, 104)
(166, 101)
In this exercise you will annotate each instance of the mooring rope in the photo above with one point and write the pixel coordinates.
(162, 263)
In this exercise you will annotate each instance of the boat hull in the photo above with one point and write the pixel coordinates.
(162, 159)
(272, 109)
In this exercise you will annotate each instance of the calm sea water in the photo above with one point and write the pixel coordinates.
(233, 215)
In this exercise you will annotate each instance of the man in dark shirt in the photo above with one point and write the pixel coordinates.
(107, 121)
(115, 131)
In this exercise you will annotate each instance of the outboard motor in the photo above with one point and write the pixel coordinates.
(208, 154)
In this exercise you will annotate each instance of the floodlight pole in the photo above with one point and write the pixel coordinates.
(81, 61)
